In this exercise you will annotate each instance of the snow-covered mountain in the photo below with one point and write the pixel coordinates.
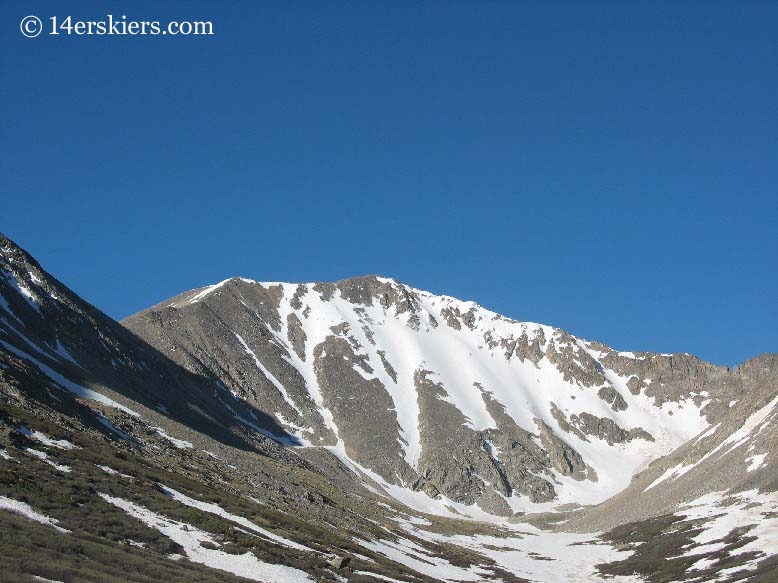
(440, 399)
(280, 432)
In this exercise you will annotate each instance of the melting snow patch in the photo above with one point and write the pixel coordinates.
(377, 576)
(268, 375)
(68, 385)
(191, 539)
(26, 510)
(284, 440)
(724, 513)
(43, 456)
(537, 555)
(756, 462)
(45, 439)
(111, 472)
(674, 472)
(63, 353)
(416, 557)
(6, 456)
(109, 425)
(219, 511)
(28, 296)
(179, 443)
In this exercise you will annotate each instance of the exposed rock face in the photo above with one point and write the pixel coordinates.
(607, 429)
(613, 398)
(360, 407)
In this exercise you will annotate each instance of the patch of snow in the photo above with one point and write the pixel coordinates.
(179, 443)
(24, 291)
(63, 354)
(6, 456)
(268, 375)
(756, 462)
(219, 511)
(212, 288)
(674, 472)
(5, 306)
(377, 576)
(284, 440)
(45, 439)
(111, 472)
(45, 457)
(534, 554)
(109, 425)
(421, 560)
(724, 513)
(190, 538)
(707, 433)
(69, 385)
(26, 510)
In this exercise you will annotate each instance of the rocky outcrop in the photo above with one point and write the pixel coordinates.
(613, 398)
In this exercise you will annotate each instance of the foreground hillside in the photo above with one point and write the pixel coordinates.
(283, 432)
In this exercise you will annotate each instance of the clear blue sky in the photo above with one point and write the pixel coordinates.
(610, 168)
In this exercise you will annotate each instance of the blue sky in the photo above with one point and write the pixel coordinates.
(610, 168)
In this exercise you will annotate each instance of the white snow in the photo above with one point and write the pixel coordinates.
(756, 461)
(724, 512)
(45, 439)
(23, 290)
(707, 433)
(179, 443)
(377, 576)
(205, 291)
(750, 429)
(7, 456)
(569, 558)
(190, 538)
(109, 424)
(202, 292)
(5, 306)
(69, 385)
(63, 353)
(219, 511)
(416, 557)
(25, 509)
(111, 472)
(45, 457)
(279, 438)
(674, 472)
(268, 375)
